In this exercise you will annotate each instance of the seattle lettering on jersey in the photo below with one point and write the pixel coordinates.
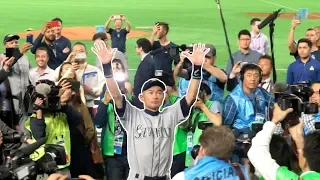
(146, 132)
(219, 175)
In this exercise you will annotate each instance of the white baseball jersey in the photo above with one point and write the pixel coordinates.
(150, 139)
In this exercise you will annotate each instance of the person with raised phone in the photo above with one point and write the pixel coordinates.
(118, 34)
(308, 148)
(151, 132)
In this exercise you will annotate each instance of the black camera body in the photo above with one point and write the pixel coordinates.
(298, 101)
(48, 91)
(12, 138)
(22, 167)
(174, 53)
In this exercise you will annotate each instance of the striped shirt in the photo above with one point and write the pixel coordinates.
(259, 43)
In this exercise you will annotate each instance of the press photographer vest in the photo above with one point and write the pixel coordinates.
(196, 117)
(246, 110)
(212, 168)
(57, 132)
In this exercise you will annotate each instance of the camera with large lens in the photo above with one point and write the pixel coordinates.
(18, 165)
(174, 53)
(298, 100)
(48, 91)
(12, 138)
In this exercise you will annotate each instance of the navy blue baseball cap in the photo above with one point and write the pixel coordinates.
(10, 37)
(153, 82)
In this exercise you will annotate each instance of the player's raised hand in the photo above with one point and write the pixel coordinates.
(102, 52)
(198, 55)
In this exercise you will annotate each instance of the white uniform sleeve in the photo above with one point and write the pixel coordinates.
(179, 176)
(259, 154)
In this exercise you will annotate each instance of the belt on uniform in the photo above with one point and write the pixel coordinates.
(152, 178)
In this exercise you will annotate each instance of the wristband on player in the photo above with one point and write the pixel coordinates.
(197, 72)
(107, 69)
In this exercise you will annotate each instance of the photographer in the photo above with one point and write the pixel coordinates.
(214, 77)
(205, 113)
(59, 126)
(308, 151)
(309, 120)
(5, 131)
(247, 105)
(216, 146)
(16, 78)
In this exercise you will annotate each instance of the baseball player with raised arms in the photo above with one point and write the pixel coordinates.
(150, 133)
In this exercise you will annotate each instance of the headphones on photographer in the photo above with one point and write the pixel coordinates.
(250, 66)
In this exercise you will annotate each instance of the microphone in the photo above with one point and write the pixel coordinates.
(29, 149)
(218, 3)
(43, 89)
(280, 87)
(269, 19)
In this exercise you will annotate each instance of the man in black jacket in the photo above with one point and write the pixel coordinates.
(146, 69)
(56, 55)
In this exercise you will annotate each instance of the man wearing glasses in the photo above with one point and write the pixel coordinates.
(245, 54)
(309, 120)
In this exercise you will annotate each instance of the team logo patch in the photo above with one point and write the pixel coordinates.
(311, 68)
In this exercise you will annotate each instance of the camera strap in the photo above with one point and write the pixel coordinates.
(239, 171)
(195, 121)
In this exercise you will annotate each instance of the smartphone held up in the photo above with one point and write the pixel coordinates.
(116, 17)
(9, 52)
(29, 38)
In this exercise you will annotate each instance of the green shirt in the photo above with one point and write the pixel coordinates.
(180, 139)
(108, 132)
(197, 116)
(284, 174)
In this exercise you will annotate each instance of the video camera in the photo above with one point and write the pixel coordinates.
(48, 91)
(298, 100)
(174, 53)
(19, 166)
(12, 138)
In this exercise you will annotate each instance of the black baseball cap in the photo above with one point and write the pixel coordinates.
(153, 82)
(10, 37)
(204, 87)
